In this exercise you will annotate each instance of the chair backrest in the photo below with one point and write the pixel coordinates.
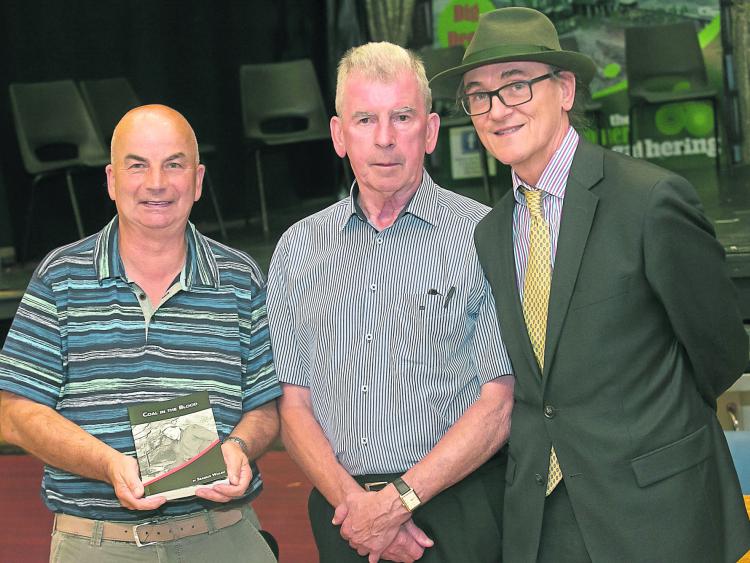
(282, 103)
(739, 445)
(108, 99)
(437, 60)
(53, 127)
(661, 56)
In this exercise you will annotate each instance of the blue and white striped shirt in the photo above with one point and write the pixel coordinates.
(552, 182)
(394, 332)
(80, 344)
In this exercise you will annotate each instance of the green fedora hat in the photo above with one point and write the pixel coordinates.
(516, 34)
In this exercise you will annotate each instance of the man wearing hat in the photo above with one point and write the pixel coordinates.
(620, 322)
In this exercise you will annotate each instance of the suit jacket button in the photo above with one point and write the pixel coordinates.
(549, 411)
(539, 479)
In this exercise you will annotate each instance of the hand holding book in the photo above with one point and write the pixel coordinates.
(239, 475)
(177, 445)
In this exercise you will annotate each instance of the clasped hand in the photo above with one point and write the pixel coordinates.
(376, 525)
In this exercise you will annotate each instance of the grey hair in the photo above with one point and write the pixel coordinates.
(383, 62)
(577, 114)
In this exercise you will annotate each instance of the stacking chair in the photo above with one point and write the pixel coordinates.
(108, 99)
(665, 65)
(281, 105)
(437, 60)
(55, 136)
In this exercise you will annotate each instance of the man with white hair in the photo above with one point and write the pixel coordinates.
(396, 385)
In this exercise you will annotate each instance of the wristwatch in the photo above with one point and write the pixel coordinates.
(409, 498)
(241, 443)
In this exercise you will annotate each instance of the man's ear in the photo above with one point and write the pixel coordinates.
(567, 81)
(110, 172)
(431, 135)
(200, 173)
(337, 135)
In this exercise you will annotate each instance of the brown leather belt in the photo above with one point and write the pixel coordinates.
(147, 533)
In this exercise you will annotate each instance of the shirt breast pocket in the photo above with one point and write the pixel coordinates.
(424, 329)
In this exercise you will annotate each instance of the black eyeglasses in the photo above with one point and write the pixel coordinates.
(511, 95)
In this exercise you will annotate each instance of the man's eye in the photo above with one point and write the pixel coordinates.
(136, 165)
(174, 165)
(517, 86)
(364, 120)
(479, 96)
(402, 117)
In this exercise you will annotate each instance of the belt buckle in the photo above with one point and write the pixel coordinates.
(138, 541)
(375, 486)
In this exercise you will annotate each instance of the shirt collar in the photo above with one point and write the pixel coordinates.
(423, 204)
(555, 174)
(200, 267)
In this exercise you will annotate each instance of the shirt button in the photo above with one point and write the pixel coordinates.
(373, 287)
(379, 240)
(549, 411)
(365, 389)
(368, 337)
(364, 441)
(141, 296)
(539, 479)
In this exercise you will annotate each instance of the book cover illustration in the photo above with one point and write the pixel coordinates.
(177, 445)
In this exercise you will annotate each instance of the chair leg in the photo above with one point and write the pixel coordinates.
(215, 203)
(262, 194)
(74, 203)
(29, 216)
(717, 158)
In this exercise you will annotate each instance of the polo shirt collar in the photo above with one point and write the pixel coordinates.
(423, 204)
(200, 267)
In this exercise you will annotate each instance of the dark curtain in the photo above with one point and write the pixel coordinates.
(185, 54)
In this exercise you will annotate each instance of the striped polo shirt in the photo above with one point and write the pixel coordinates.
(394, 332)
(81, 344)
(552, 183)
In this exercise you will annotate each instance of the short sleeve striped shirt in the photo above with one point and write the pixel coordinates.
(394, 332)
(80, 344)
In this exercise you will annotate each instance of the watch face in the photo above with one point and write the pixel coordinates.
(410, 500)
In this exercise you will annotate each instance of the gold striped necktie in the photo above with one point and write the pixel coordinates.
(536, 298)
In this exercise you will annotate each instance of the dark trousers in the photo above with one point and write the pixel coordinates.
(561, 540)
(464, 521)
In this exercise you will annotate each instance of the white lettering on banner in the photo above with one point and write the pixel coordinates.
(688, 146)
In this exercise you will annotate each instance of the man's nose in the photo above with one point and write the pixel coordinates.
(498, 110)
(154, 177)
(384, 134)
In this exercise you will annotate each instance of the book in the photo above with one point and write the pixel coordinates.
(177, 445)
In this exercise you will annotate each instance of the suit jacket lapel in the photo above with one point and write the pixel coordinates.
(577, 216)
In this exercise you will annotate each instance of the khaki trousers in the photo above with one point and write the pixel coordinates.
(240, 543)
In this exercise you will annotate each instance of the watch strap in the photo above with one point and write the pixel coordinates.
(401, 486)
(241, 443)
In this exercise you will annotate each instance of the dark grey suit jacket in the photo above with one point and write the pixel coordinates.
(643, 334)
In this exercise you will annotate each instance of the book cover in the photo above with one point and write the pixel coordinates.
(177, 445)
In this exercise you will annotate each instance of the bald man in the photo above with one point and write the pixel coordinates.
(147, 309)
